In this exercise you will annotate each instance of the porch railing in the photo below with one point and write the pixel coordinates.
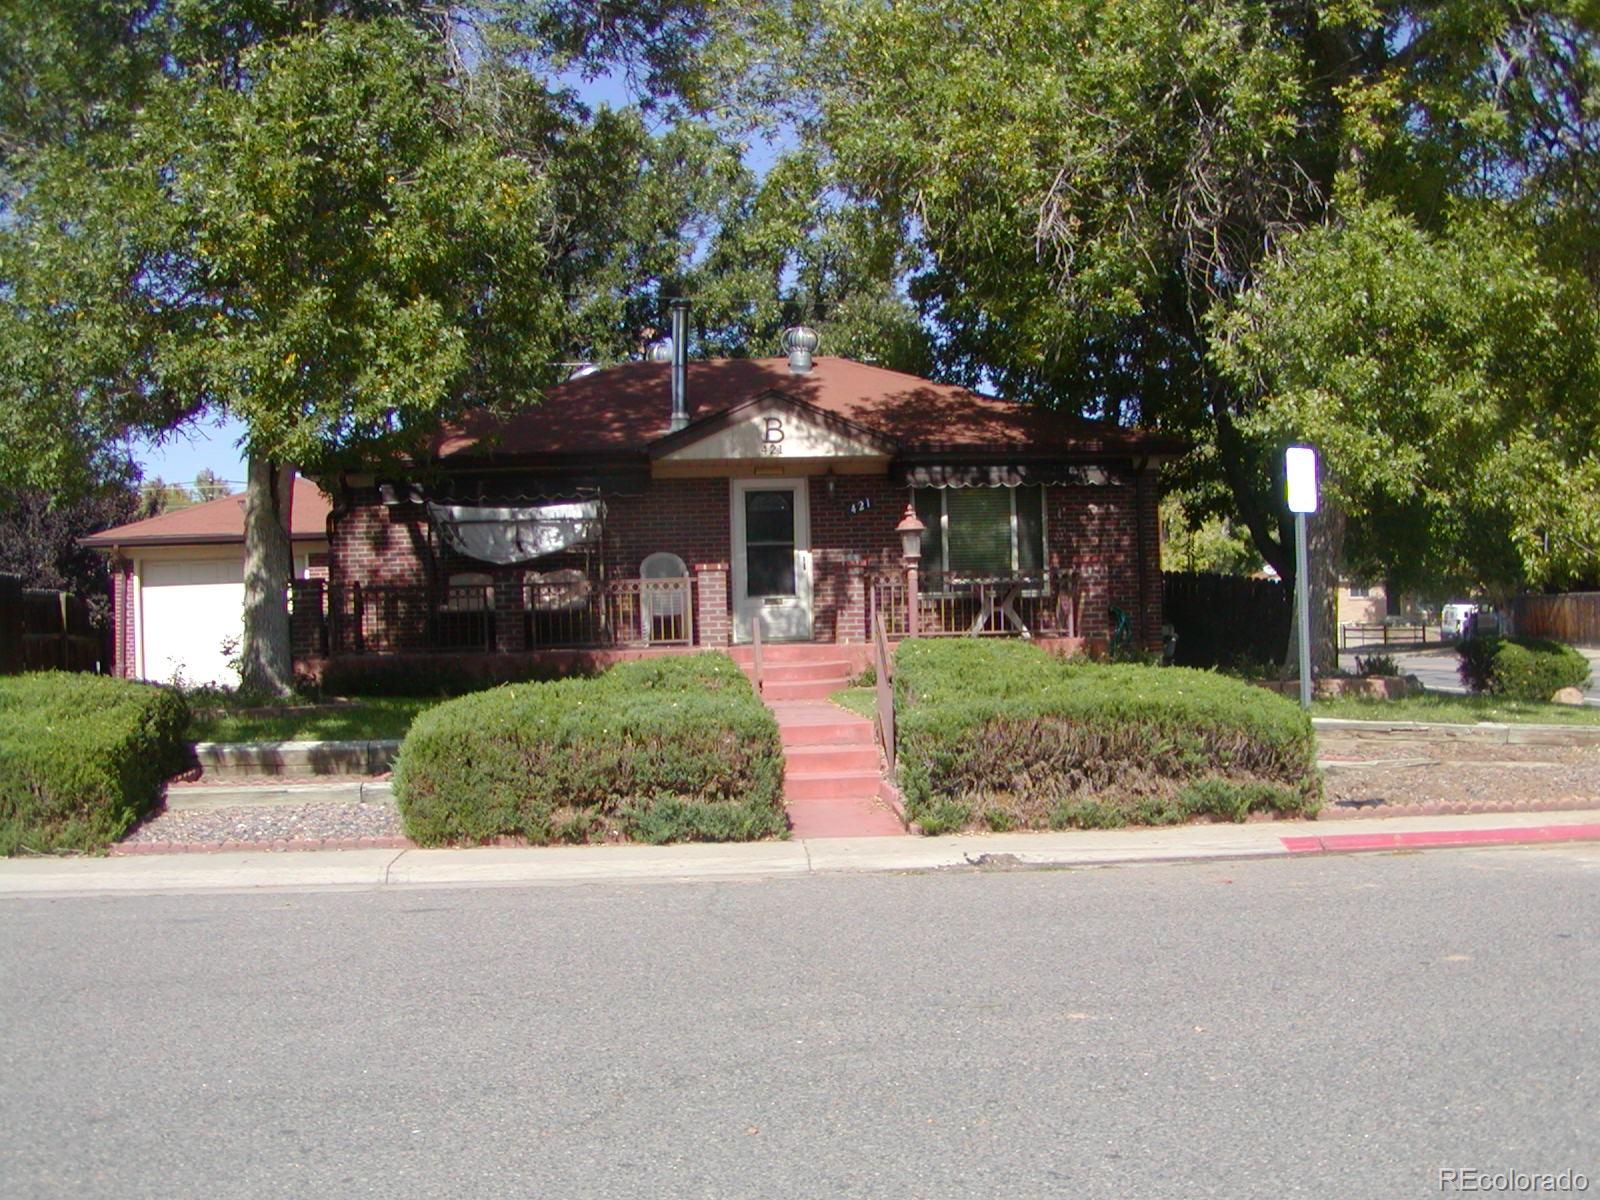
(550, 613)
(952, 604)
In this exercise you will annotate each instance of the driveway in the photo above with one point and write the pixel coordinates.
(1436, 667)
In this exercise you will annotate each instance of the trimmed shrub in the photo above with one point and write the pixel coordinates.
(1531, 669)
(677, 748)
(82, 757)
(997, 734)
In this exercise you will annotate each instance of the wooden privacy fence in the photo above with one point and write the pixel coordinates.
(1225, 618)
(45, 630)
(1572, 617)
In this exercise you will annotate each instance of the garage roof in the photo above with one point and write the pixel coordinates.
(217, 521)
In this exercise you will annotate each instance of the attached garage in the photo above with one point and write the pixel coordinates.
(191, 618)
(178, 585)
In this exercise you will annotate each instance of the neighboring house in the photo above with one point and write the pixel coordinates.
(178, 584)
(1360, 604)
(659, 504)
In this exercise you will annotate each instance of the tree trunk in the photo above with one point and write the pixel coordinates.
(268, 655)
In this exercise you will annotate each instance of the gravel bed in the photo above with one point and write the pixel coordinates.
(1376, 789)
(338, 820)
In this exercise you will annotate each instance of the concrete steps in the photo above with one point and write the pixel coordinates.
(832, 779)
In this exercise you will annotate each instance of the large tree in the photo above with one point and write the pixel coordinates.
(1092, 186)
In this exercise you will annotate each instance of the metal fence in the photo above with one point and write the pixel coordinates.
(953, 605)
(556, 611)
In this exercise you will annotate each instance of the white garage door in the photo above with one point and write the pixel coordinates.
(192, 607)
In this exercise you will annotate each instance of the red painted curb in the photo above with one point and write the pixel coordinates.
(1346, 842)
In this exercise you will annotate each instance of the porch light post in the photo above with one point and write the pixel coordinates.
(910, 530)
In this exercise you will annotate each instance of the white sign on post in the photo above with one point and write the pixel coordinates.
(1300, 469)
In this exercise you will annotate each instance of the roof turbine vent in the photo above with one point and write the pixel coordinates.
(659, 351)
(800, 343)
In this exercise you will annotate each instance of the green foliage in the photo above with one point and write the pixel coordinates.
(1377, 664)
(82, 757)
(1091, 188)
(662, 749)
(1000, 733)
(1195, 543)
(1443, 378)
(1527, 669)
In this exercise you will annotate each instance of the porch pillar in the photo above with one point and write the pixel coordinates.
(306, 620)
(711, 624)
(850, 625)
(510, 618)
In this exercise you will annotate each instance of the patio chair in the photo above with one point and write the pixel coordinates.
(663, 615)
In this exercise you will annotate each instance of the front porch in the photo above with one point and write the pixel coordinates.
(570, 611)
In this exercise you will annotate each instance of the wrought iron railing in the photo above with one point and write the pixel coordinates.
(953, 604)
(560, 610)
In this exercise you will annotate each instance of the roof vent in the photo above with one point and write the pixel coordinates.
(801, 343)
(659, 351)
(579, 370)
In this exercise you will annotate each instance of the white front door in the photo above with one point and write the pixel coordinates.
(772, 559)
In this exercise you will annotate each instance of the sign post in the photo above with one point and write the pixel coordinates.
(1300, 473)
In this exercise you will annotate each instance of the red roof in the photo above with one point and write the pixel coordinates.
(217, 521)
(623, 409)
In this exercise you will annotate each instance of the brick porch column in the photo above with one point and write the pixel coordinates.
(305, 619)
(711, 624)
(851, 623)
(510, 623)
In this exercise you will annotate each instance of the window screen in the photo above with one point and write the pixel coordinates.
(980, 529)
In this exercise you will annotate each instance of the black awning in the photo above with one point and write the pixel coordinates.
(962, 475)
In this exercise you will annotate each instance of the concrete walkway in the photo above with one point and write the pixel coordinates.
(756, 860)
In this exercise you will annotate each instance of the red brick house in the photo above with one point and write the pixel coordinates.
(659, 504)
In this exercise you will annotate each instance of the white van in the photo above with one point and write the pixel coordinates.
(1453, 619)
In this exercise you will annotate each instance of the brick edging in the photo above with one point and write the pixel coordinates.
(1491, 732)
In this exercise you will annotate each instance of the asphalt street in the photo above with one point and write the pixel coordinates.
(1438, 667)
(1341, 1027)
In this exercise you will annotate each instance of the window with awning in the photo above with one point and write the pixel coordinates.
(500, 534)
(982, 530)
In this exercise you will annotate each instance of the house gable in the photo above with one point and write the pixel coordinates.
(774, 429)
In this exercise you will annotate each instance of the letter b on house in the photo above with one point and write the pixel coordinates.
(772, 431)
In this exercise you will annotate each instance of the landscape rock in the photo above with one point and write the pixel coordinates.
(1567, 695)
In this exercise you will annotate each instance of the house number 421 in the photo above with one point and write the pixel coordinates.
(772, 436)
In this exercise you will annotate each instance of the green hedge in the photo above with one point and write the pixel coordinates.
(1001, 735)
(82, 757)
(675, 748)
(1530, 669)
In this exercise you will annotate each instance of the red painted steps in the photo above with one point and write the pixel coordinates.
(831, 776)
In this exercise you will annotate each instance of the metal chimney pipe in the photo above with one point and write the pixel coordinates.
(680, 364)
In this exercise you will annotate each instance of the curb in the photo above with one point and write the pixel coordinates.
(139, 849)
(1423, 839)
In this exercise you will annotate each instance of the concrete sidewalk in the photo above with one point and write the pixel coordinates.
(367, 869)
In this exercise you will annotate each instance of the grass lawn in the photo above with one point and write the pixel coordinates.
(371, 718)
(860, 700)
(1449, 709)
